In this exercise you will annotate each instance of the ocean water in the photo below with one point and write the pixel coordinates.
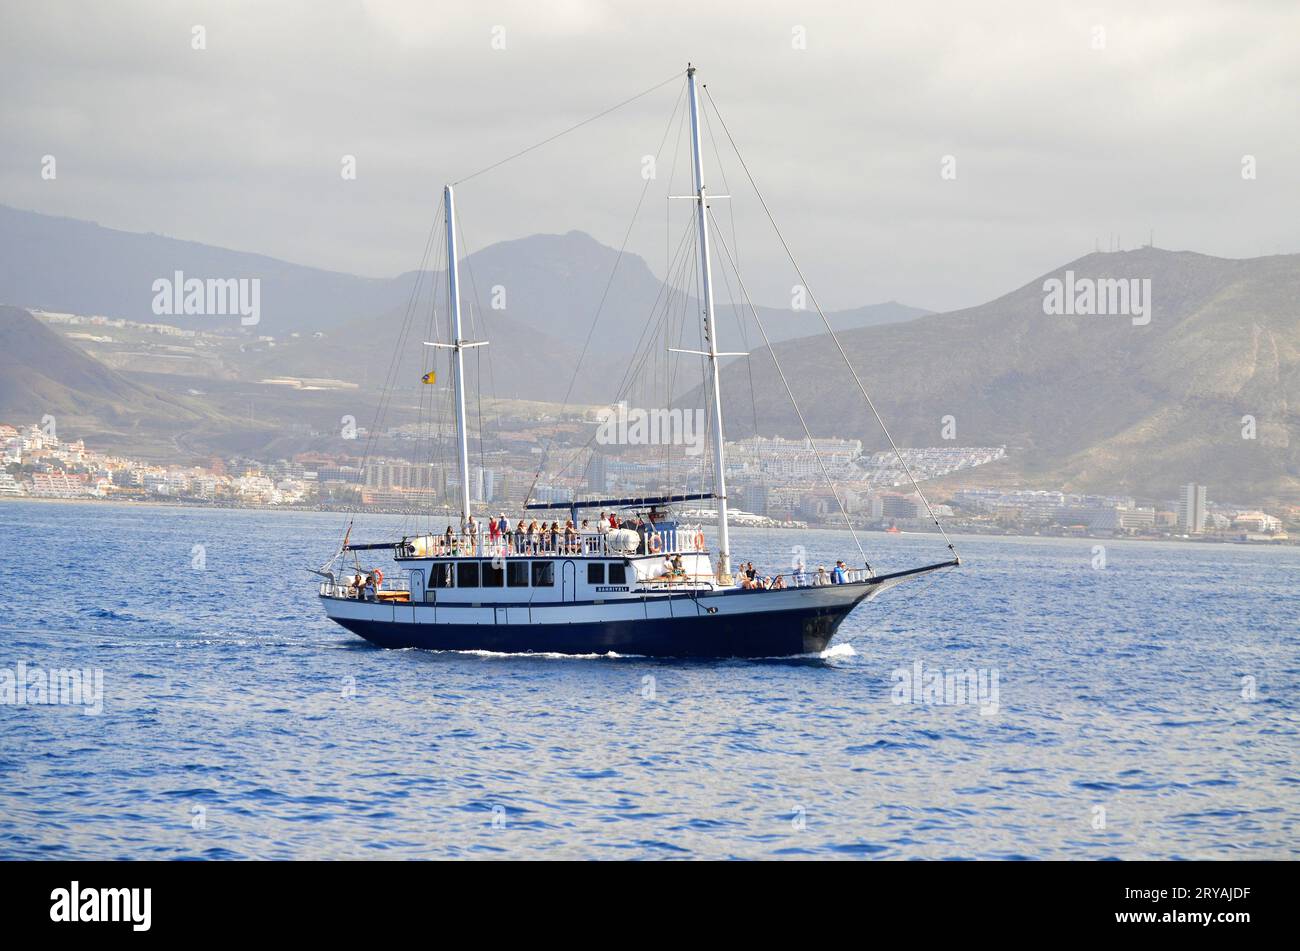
(1144, 709)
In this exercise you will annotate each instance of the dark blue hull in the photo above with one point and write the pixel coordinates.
(752, 634)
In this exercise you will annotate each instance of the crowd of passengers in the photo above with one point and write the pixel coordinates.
(537, 537)
(747, 577)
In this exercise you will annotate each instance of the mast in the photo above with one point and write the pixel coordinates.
(710, 332)
(458, 345)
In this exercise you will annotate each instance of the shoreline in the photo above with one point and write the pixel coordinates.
(966, 532)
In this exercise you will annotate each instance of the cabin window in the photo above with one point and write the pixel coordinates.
(493, 575)
(543, 574)
(467, 574)
(596, 572)
(441, 577)
(617, 573)
(517, 574)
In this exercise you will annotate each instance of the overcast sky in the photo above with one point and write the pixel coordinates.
(1057, 144)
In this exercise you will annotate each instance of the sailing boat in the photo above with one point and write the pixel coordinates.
(655, 591)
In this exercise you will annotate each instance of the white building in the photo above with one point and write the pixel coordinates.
(1191, 509)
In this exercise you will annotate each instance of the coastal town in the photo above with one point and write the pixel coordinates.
(774, 483)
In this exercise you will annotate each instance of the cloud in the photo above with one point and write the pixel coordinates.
(1056, 143)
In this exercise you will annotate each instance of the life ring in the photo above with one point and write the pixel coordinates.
(378, 576)
(655, 545)
(699, 541)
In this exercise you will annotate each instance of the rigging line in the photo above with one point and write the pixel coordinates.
(476, 308)
(638, 359)
(412, 306)
(676, 309)
(673, 315)
(910, 593)
(426, 446)
(441, 435)
(622, 392)
(731, 208)
(381, 406)
(389, 375)
(735, 244)
(738, 313)
(847, 362)
(572, 128)
(390, 383)
(812, 442)
(668, 200)
(647, 332)
(600, 306)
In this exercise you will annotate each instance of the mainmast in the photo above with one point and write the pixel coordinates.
(458, 346)
(710, 332)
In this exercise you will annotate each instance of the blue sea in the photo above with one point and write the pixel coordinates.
(1146, 707)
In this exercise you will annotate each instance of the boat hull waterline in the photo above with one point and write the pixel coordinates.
(731, 623)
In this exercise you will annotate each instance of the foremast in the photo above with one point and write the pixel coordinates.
(710, 331)
(458, 346)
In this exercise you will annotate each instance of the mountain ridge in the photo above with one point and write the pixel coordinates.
(1087, 402)
(552, 283)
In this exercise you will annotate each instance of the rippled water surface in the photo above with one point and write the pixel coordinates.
(239, 723)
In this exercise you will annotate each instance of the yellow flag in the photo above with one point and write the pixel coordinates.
(429, 377)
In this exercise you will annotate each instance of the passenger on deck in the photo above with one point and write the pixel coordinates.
(448, 539)
(796, 576)
(370, 586)
(358, 586)
(822, 577)
(570, 537)
(778, 584)
(613, 520)
(494, 531)
(640, 533)
(838, 576)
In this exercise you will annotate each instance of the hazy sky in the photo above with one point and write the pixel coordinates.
(1057, 143)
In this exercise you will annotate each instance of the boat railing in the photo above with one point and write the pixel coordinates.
(581, 544)
(793, 579)
(807, 579)
(392, 587)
